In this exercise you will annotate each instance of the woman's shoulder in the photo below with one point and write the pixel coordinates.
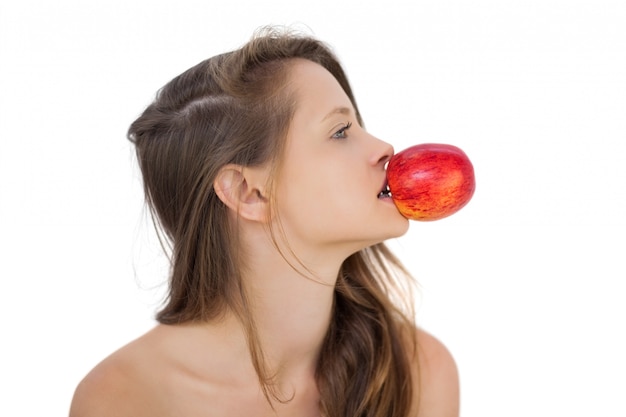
(437, 375)
(119, 385)
(182, 369)
(103, 390)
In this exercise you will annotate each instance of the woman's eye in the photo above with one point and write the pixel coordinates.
(342, 133)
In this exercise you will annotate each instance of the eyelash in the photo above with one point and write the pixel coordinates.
(341, 133)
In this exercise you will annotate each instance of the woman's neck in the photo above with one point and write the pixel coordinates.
(292, 308)
(291, 300)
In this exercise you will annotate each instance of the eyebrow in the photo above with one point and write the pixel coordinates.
(338, 110)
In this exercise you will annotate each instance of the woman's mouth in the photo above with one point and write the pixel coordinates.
(385, 192)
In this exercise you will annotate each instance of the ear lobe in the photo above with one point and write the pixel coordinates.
(241, 189)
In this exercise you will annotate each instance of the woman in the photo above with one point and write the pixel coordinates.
(258, 170)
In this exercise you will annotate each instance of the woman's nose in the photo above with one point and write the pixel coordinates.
(383, 152)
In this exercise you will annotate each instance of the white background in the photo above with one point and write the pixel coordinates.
(525, 285)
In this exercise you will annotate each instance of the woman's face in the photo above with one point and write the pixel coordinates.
(327, 192)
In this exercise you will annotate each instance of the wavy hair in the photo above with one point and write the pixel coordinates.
(235, 108)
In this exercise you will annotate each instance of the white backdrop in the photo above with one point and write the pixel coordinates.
(525, 285)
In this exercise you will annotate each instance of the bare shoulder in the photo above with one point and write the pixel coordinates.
(114, 387)
(437, 378)
(99, 392)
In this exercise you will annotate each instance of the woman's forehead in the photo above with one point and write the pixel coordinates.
(318, 93)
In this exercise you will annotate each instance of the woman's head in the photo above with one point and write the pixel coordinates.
(234, 108)
(329, 187)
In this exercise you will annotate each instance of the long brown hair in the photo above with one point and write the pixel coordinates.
(236, 108)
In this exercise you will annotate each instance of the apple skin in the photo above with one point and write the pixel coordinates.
(430, 181)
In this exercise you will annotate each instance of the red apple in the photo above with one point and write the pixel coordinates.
(430, 181)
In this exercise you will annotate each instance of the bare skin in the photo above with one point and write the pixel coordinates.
(170, 372)
(205, 369)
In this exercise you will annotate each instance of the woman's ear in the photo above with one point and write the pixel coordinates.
(243, 190)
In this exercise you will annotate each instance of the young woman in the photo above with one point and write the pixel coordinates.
(282, 301)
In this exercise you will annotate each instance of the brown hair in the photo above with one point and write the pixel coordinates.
(232, 108)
